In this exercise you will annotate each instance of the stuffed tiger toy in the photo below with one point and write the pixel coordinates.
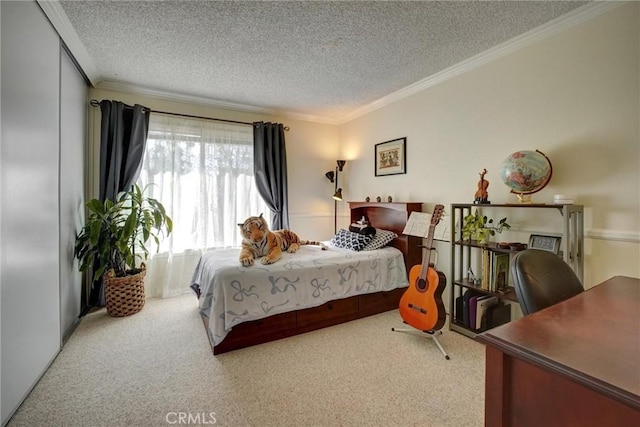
(259, 241)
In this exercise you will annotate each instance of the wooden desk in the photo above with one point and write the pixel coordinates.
(576, 363)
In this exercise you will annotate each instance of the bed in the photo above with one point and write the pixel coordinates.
(305, 291)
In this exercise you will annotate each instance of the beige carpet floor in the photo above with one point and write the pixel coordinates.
(156, 368)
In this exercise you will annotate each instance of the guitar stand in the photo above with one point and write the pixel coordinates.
(430, 334)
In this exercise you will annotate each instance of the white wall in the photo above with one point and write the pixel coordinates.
(574, 96)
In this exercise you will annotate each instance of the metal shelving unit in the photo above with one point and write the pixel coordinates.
(572, 249)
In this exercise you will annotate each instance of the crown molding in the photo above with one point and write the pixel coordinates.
(555, 26)
(208, 102)
(54, 12)
(172, 96)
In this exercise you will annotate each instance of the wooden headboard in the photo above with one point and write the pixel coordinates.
(392, 216)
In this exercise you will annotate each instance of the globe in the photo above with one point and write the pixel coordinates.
(526, 172)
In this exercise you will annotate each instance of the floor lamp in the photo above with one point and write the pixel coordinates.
(337, 195)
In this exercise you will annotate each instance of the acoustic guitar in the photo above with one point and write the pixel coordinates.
(421, 304)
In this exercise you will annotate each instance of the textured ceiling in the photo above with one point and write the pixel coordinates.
(320, 59)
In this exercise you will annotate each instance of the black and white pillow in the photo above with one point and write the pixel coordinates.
(346, 239)
(381, 239)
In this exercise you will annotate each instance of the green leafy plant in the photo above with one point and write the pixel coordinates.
(479, 227)
(116, 233)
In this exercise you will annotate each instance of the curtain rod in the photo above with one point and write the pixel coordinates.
(96, 103)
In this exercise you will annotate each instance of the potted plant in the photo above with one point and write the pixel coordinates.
(479, 227)
(114, 238)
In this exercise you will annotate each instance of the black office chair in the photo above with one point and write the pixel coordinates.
(542, 279)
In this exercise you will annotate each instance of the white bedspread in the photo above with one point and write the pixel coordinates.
(230, 294)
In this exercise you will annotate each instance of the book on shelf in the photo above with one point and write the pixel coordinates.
(473, 304)
(495, 271)
(484, 282)
(465, 307)
(501, 272)
(482, 305)
(496, 315)
(466, 303)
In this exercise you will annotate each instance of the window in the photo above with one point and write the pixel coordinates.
(202, 172)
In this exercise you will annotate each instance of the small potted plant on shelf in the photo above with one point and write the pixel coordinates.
(478, 227)
(114, 238)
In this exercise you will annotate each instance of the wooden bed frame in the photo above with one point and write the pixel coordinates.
(388, 216)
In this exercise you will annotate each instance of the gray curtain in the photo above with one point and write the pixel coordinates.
(270, 170)
(123, 136)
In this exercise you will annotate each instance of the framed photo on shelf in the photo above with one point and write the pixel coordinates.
(390, 157)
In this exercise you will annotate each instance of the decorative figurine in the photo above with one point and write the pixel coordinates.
(389, 199)
(482, 196)
(379, 199)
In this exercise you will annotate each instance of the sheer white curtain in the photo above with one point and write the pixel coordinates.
(202, 172)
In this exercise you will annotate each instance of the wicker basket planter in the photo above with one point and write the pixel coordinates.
(113, 240)
(124, 295)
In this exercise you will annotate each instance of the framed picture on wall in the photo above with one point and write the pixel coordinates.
(390, 157)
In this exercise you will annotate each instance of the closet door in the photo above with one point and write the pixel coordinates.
(29, 210)
(73, 134)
